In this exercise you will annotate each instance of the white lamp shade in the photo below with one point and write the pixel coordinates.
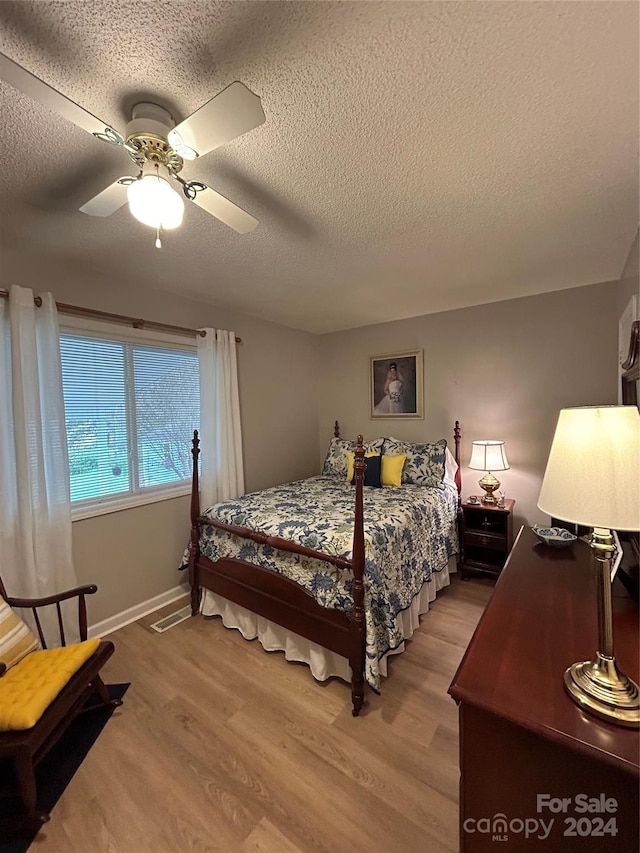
(488, 455)
(153, 202)
(593, 473)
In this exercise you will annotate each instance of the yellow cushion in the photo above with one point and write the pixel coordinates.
(351, 457)
(391, 469)
(27, 690)
(16, 639)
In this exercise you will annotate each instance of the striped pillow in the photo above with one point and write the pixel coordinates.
(16, 639)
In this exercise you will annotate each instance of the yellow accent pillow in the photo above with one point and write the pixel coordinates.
(351, 458)
(16, 638)
(27, 690)
(391, 469)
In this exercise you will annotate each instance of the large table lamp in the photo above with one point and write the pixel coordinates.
(488, 455)
(593, 478)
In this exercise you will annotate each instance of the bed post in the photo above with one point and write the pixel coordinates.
(356, 659)
(336, 430)
(456, 438)
(460, 514)
(194, 550)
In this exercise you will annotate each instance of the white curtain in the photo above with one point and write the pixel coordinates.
(222, 473)
(35, 512)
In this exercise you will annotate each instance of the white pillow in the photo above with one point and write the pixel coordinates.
(450, 468)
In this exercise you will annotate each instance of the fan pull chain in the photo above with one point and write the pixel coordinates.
(158, 241)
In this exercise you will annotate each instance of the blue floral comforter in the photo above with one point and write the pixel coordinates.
(410, 533)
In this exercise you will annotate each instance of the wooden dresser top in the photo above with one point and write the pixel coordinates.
(541, 618)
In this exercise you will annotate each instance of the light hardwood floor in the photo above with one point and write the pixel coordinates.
(221, 746)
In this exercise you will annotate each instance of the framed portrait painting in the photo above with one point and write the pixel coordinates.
(396, 385)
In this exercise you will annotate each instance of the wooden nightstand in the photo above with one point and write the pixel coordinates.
(487, 536)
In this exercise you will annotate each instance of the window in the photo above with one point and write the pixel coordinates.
(130, 412)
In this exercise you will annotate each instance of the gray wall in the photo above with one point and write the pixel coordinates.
(132, 555)
(503, 370)
(632, 264)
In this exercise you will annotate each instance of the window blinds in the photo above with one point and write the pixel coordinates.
(130, 412)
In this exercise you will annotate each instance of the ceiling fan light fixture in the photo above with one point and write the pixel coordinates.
(154, 203)
(180, 147)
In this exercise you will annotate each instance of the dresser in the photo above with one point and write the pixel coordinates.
(536, 772)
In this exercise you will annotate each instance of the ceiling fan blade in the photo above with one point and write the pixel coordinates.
(233, 112)
(109, 200)
(24, 81)
(224, 210)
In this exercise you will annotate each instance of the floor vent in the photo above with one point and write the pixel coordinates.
(171, 620)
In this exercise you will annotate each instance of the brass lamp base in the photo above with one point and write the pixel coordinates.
(597, 685)
(489, 483)
(600, 688)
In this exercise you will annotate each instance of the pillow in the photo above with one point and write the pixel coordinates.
(372, 471)
(29, 688)
(425, 463)
(450, 468)
(351, 456)
(335, 463)
(16, 638)
(391, 469)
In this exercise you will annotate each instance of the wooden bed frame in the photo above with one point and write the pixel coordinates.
(275, 597)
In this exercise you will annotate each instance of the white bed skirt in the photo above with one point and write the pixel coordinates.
(322, 662)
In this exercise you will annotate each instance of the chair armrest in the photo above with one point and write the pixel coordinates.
(33, 604)
(89, 589)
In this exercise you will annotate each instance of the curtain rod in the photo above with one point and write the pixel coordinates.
(122, 318)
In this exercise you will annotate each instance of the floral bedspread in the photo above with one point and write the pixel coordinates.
(410, 532)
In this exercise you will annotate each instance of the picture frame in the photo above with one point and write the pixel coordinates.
(395, 385)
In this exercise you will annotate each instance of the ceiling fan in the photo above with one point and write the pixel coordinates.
(158, 148)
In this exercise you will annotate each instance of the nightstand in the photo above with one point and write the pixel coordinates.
(486, 537)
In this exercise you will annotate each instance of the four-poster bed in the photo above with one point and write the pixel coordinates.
(373, 553)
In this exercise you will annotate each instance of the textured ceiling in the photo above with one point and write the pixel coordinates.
(416, 157)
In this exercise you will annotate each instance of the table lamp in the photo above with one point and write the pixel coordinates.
(488, 455)
(592, 479)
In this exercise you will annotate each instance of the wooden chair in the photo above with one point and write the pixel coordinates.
(26, 748)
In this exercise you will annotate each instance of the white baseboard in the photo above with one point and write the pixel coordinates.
(108, 626)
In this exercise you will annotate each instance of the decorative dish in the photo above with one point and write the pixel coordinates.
(555, 537)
